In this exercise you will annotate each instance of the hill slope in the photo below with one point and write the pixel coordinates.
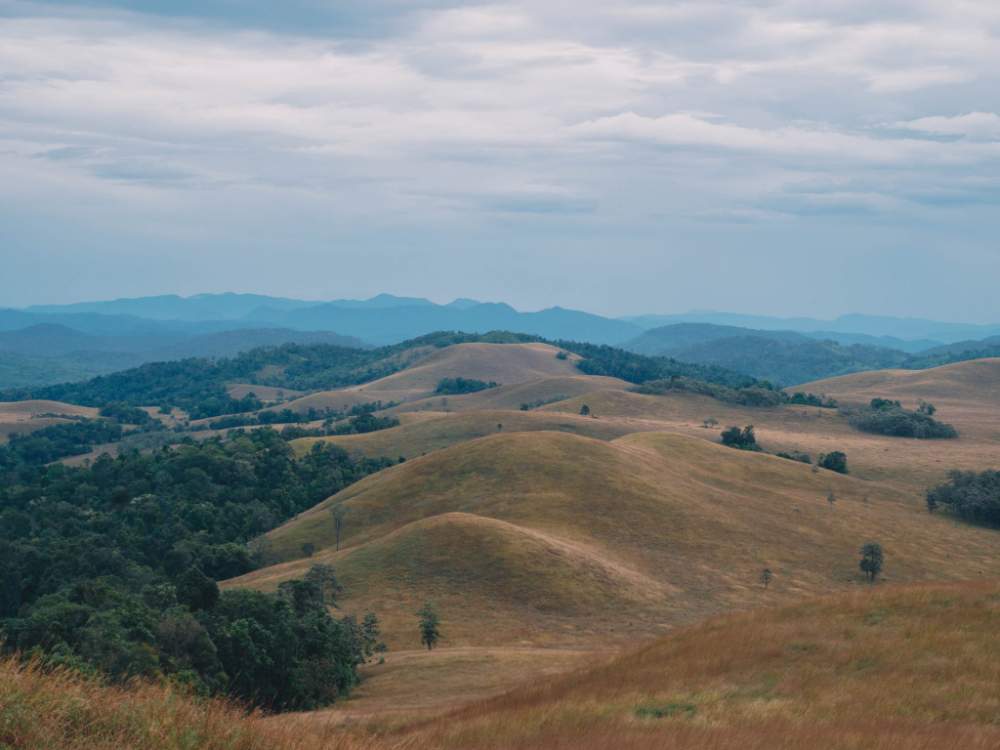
(873, 670)
(698, 519)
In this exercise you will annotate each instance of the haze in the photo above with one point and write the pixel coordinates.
(783, 158)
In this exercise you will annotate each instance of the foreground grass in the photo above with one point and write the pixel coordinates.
(913, 667)
(58, 710)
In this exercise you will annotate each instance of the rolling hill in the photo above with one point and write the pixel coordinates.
(691, 521)
(508, 364)
(896, 667)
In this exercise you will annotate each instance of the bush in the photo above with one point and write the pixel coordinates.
(457, 386)
(969, 495)
(834, 461)
(885, 417)
(743, 439)
(804, 458)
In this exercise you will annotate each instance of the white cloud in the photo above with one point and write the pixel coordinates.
(978, 125)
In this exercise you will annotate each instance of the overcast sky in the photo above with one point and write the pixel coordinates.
(772, 156)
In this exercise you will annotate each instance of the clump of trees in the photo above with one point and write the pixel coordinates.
(743, 439)
(457, 386)
(973, 496)
(834, 461)
(887, 417)
(760, 394)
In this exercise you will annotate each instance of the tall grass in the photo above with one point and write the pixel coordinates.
(59, 710)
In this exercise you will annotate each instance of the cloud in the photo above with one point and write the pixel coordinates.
(976, 125)
(438, 114)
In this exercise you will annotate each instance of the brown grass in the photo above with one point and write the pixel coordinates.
(911, 667)
(19, 417)
(57, 710)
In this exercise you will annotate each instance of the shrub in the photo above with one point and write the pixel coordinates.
(804, 458)
(834, 461)
(456, 386)
(743, 439)
(885, 417)
(969, 495)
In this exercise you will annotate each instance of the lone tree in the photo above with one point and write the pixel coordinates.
(430, 633)
(584, 411)
(765, 577)
(338, 512)
(831, 498)
(871, 560)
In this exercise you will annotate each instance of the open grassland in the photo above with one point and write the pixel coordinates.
(556, 539)
(908, 464)
(534, 394)
(881, 668)
(424, 432)
(501, 363)
(911, 667)
(19, 417)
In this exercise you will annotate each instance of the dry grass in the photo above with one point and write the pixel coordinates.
(501, 363)
(265, 393)
(424, 432)
(912, 667)
(552, 539)
(61, 711)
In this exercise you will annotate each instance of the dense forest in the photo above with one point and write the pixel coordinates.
(112, 568)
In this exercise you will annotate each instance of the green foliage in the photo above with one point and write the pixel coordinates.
(584, 411)
(758, 395)
(530, 405)
(430, 632)
(57, 441)
(871, 560)
(970, 495)
(125, 414)
(887, 417)
(834, 461)
(743, 439)
(456, 386)
(804, 458)
(811, 399)
(114, 566)
(638, 368)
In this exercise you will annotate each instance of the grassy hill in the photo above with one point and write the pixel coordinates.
(909, 667)
(508, 364)
(891, 667)
(423, 432)
(692, 521)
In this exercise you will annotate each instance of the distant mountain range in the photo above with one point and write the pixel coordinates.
(61, 342)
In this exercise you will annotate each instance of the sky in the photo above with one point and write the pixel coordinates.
(785, 157)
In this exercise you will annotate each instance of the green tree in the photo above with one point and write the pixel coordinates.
(744, 439)
(197, 590)
(430, 631)
(584, 411)
(871, 560)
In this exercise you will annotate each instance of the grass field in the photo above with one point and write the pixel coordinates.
(506, 364)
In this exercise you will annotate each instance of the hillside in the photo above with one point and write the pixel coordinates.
(692, 521)
(508, 364)
(898, 667)
(424, 432)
